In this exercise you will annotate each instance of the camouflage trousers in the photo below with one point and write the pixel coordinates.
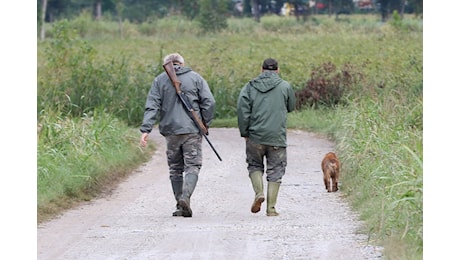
(184, 155)
(275, 156)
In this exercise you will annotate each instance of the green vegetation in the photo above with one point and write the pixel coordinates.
(93, 78)
(78, 158)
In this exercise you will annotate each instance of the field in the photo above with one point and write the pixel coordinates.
(93, 78)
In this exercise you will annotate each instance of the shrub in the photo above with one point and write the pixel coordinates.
(327, 85)
(212, 15)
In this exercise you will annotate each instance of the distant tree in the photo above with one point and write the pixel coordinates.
(42, 19)
(98, 9)
(119, 6)
(336, 6)
(60, 9)
(143, 10)
(330, 6)
(255, 10)
(417, 5)
(388, 6)
(212, 16)
(189, 8)
(56, 9)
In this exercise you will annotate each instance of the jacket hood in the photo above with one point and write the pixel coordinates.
(266, 81)
(181, 70)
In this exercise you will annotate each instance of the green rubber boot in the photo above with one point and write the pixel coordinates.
(177, 190)
(187, 191)
(272, 195)
(258, 186)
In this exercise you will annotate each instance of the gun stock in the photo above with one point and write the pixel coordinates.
(169, 68)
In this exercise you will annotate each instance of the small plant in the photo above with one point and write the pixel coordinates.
(397, 21)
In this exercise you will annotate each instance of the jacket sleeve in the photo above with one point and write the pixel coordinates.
(152, 107)
(244, 111)
(291, 102)
(207, 103)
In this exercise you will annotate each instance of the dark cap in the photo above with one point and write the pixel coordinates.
(270, 64)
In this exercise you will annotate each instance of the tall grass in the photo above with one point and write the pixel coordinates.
(92, 90)
(78, 157)
(380, 142)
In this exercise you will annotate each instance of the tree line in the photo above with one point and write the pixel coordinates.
(210, 12)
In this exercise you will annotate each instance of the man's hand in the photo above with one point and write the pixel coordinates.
(144, 138)
(206, 127)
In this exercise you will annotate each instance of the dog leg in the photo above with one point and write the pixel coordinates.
(335, 184)
(326, 182)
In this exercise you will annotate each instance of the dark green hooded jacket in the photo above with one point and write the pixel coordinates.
(262, 109)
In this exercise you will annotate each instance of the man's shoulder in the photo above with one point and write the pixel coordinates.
(184, 70)
(161, 77)
(285, 83)
(191, 74)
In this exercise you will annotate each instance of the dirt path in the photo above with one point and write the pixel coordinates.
(135, 221)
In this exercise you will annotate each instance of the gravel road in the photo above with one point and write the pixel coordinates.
(135, 222)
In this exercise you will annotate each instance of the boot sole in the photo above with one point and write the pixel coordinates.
(178, 213)
(256, 205)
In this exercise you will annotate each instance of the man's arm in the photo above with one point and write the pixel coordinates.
(207, 103)
(291, 99)
(243, 112)
(152, 106)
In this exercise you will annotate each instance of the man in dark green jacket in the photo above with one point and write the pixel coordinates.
(183, 139)
(262, 110)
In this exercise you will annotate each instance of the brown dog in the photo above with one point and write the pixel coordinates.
(331, 171)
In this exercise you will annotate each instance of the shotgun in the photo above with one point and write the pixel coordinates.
(169, 69)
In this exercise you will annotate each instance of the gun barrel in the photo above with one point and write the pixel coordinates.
(212, 147)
